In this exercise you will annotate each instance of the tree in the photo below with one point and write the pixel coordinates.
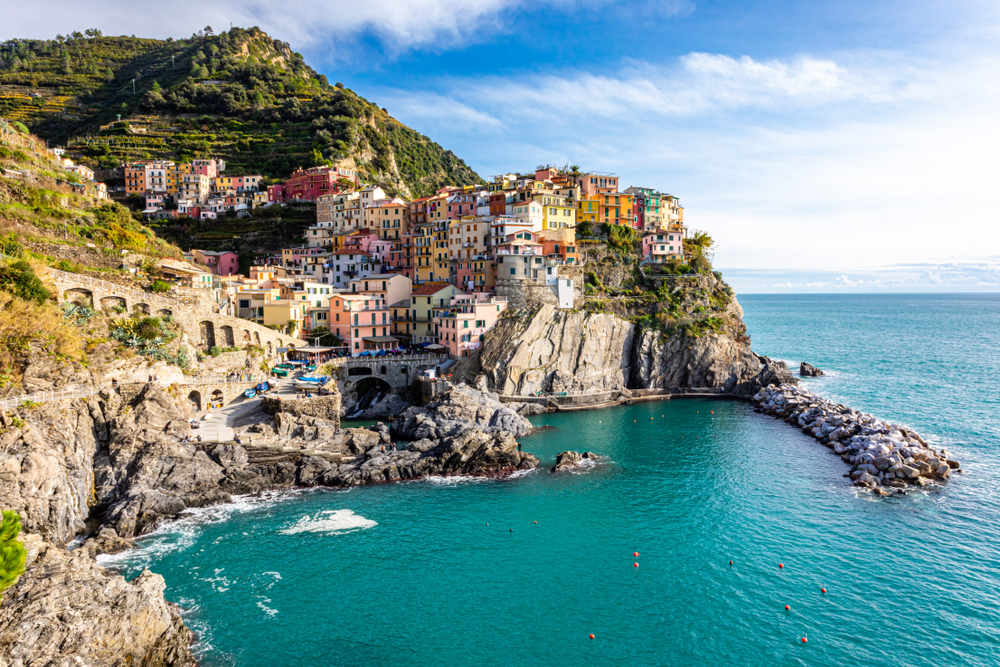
(12, 552)
(325, 337)
(209, 31)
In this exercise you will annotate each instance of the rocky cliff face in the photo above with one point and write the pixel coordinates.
(67, 610)
(578, 352)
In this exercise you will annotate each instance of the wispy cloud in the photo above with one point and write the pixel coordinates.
(324, 26)
(973, 276)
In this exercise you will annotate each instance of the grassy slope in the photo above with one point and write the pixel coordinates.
(239, 95)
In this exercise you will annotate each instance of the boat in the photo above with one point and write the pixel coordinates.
(207, 416)
(287, 367)
(273, 382)
(310, 368)
(280, 372)
(262, 387)
(315, 379)
(250, 393)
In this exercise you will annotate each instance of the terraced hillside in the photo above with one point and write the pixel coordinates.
(240, 95)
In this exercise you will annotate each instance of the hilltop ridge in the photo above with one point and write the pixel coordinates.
(240, 95)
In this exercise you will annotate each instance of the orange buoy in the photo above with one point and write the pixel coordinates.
(787, 607)
(536, 522)
(512, 530)
(822, 590)
(591, 636)
(780, 565)
(636, 564)
(730, 562)
(804, 640)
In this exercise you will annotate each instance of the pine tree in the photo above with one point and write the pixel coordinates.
(12, 553)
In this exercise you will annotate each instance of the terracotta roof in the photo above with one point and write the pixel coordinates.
(427, 289)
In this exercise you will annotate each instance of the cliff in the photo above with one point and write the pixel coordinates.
(675, 337)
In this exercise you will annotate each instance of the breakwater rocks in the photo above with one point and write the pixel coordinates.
(883, 456)
(810, 371)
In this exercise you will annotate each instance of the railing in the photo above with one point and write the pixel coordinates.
(44, 396)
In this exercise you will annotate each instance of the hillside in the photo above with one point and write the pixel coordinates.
(239, 95)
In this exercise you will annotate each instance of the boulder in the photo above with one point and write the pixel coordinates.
(568, 460)
(809, 371)
(458, 410)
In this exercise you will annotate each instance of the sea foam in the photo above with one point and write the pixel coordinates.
(329, 522)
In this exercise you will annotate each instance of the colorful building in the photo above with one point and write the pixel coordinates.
(423, 299)
(220, 263)
(461, 325)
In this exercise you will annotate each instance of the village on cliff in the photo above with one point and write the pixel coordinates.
(379, 273)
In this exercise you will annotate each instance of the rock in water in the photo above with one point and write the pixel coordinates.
(456, 411)
(809, 371)
(568, 460)
(67, 610)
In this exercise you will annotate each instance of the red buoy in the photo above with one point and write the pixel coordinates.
(512, 530)
(780, 565)
(592, 636)
(804, 640)
(730, 562)
(787, 607)
(636, 564)
(713, 412)
(635, 554)
(822, 590)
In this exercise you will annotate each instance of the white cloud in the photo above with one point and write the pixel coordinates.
(323, 25)
(858, 160)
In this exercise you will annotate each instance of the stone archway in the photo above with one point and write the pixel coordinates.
(79, 295)
(256, 338)
(195, 398)
(228, 340)
(113, 303)
(164, 312)
(218, 398)
(246, 336)
(207, 330)
(140, 308)
(270, 351)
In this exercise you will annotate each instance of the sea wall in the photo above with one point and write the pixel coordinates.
(884, 457)
(323, 407)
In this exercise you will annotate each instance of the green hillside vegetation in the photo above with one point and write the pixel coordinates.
(239, 95)
(50, 212)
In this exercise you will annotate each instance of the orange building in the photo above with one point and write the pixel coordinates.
(135, 179)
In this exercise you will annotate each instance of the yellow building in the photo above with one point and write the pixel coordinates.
(588, 209)
(281, 313)
(423, 299)
(557, 212)
(175, 177)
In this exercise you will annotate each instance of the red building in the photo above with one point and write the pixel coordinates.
(308, 184)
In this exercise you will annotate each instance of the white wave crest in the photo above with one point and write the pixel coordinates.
(330, 522)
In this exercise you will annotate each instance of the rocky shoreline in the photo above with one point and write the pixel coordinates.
(885, 458)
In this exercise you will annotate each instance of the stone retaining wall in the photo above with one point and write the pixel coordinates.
(322, 407)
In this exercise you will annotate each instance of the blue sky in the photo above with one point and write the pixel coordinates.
(827, 146)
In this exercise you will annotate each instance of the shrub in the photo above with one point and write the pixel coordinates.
(215, 350)
(12, 552)
(160, 286)
(20, 280)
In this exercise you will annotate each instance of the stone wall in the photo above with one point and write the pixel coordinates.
(323, 407)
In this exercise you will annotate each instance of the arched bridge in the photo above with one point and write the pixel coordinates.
(397, 372)
(204, 327)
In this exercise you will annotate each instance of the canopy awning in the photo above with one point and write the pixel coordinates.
(381, 339)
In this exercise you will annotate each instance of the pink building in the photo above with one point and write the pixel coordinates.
(663, 244)
(461, 325)
(225, 263)
(597, 182)
(210, 168)
(367, 242)
(308, 184)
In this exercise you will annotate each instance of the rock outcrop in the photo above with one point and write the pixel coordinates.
(809, 371)
(580, 353)
(459, 410)
(570, 460)
(67, 610)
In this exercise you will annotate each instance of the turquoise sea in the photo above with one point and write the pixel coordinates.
(458, 572)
